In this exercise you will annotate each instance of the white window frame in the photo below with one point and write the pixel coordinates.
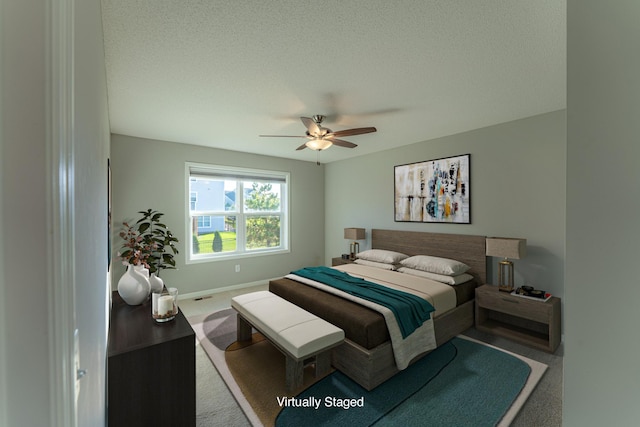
(241, 174)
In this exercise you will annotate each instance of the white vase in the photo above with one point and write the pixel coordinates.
(134, 286)
(142, 270)
(156, 283)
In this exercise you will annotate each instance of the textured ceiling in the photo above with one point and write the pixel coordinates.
(219, 73)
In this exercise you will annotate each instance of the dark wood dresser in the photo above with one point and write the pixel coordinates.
(151, 368)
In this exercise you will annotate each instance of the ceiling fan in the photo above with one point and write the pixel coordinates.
(321, 138)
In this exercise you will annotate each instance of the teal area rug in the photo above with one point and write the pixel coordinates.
(462, 383)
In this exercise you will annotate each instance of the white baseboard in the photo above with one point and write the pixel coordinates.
(224, 289)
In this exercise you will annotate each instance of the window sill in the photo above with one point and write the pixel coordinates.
(244, 255)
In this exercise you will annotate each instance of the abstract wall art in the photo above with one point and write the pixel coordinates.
(433, 191)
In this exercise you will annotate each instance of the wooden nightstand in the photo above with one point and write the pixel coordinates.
(530, 322)
(340, 261)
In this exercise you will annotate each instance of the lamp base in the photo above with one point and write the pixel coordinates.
(354, 248)
(505, 276)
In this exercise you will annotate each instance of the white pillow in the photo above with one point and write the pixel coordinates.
(449, 280)
(381, 255)
(432, 264)
(375, 264)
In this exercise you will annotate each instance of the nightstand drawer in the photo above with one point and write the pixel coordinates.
(537, 311)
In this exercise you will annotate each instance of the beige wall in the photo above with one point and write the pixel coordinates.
(517, 190)
(151, 174)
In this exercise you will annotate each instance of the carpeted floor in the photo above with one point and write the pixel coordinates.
(259, 377)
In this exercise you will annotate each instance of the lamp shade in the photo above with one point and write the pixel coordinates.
(506, 247)
(354, 233)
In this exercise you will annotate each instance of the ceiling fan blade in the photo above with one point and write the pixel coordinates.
(284, 136)
(351, 132)
(312, 127)
(342, 143)
(302, 147)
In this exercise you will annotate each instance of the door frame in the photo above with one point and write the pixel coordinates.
(59, 104)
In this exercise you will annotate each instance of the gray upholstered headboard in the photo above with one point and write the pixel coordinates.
(461, 247)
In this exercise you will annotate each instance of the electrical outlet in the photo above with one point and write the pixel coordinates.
(237, 268)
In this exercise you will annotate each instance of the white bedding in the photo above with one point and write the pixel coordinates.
(441, 296)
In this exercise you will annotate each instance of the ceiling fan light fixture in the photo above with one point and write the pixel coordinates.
(319, 144)
(321, 138)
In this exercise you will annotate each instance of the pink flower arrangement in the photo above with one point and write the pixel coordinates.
(136, 251)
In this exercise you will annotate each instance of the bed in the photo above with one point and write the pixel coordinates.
(367, 355)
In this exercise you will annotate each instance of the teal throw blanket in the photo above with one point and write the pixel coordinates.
(410, 310)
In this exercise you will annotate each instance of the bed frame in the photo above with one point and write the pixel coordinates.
(370, 368)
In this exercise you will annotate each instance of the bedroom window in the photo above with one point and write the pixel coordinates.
(235, 212)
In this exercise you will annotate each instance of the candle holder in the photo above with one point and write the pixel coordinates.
(174, 293)
(163, 307)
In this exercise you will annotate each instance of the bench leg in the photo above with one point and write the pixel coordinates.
(294, 374)
(323, 363)
(244, 329)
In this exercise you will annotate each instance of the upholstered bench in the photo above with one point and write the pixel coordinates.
(300, 335)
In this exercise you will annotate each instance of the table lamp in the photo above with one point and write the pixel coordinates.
(506, 248)
(354, 234)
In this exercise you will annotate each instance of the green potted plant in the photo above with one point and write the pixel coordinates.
(160, 239)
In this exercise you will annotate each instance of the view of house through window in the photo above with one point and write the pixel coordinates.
(236, 212)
